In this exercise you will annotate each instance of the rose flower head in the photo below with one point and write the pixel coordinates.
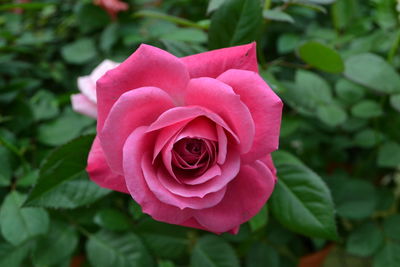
(188, 138)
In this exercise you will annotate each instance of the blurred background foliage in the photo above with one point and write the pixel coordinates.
(334, 63)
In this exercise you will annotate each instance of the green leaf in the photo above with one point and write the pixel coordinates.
(12, 256)
(79, 52)
(302, 202)
(65, 163)
(287, 42)
(368, 138)
(163, 263)
(261, 255)
(372, 72)
(6, 168)
(332, 115)
(169, 18)
(389, 155)
(309, 92)
(321, 57)
(395, 102)
(56, 246)
(63, 129)
(348, 91)
(109, 37)
(91, 17)
(277, 15)
(388, 256)
(355, 199)
(391, 227)
(27, 6)
(214, 5)
(164, 240)
(281, 157)
(213, 251)
(236, 22)
(321, 2)
(367, 109)
(105, 249)
(365, 240)
(71, 194)
(19, 224)
(186, 35)
(44, 105)
(112, 219)
(260, 220)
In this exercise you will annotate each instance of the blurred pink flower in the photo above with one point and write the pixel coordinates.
(112, 6)
(85, 102)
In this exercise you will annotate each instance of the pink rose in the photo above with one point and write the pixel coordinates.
(112, 6)
(85, 102)
(188, 138)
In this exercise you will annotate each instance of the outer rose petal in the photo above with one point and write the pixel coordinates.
(194, 224)
(81, 104)
(133, 109)
(245, 196)
(99, 171)
(219, 98)
(213, 63)
(137, 144)
(148, 66)
(265, 107)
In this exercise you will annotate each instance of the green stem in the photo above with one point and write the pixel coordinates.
(394, 48)
(176, 20)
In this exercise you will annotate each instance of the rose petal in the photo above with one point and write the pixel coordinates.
(180, 114)
(265, 107)
(220, 99)
(88, 87)
(101, 69)
(213, 63)
(148, 66)
(87, 84)
(228, 172)
(222, 145)
(245, 196)
(81, 104)
(165, 196)
(137, 144)
(201, 128)
(99, 171)
(194, 224)
(133, 109)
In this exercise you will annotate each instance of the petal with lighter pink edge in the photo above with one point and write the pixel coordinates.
(214, 63)
(133, 109)
(83, 105)
(244, 198)
(168, 197)
(137, 144)
(100, 173)
(227, 172)
(220, 99)
(265, 108)
(147, 66)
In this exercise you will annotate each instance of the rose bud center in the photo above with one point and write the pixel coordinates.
(193, 156)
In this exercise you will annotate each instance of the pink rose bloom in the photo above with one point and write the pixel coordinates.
(85, 102)
(112, 6)
(188, 138)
